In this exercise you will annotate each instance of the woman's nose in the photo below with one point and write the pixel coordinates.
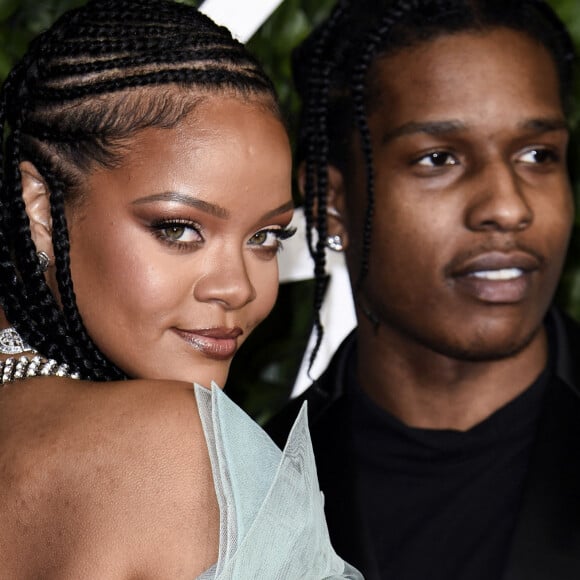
(227, 282)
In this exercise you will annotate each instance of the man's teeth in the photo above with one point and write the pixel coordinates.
(503, 274)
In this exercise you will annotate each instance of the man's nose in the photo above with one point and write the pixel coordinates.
(499, 202)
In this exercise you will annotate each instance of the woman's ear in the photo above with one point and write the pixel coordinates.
(336, 217)
(37, 200)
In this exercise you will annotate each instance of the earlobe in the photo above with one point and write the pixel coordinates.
(335, 205)
(37, 201)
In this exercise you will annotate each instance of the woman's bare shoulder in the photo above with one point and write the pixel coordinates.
(105, 479)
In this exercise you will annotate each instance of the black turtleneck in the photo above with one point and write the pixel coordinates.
(442, 504)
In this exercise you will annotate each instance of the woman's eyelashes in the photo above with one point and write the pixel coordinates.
(187, 235)
(181, 234)
(270, 239)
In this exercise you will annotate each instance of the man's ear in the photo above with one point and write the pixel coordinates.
(36, 198)
(336, 217)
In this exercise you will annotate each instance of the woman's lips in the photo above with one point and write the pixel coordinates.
(216, 343)
(497, 277)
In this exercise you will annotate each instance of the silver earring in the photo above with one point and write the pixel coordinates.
(335, 243)
(43, 261)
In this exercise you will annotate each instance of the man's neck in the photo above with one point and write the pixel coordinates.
(426, 389)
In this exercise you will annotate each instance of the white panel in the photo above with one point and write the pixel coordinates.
(242, 17)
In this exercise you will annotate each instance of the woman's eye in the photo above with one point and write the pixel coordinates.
(265, 238)
(538, 156)
(437, 159)
(271, 239)
(174, 233)
(177, 233)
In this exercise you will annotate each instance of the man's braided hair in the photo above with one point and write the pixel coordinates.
(333, 68)
(101, 73)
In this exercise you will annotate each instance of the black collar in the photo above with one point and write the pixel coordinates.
(546, 541)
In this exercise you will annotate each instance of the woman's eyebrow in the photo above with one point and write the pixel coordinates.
(281, 209)
(183, 198)
(207, 207)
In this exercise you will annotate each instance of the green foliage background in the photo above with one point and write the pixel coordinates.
(263, 372)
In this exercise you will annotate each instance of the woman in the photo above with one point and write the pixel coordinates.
(145, 195)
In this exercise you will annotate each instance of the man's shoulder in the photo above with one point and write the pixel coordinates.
(569, 323)
(564, 336)
(323, 398)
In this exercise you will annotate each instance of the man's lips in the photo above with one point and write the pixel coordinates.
(218, 343)
(497, 261)
(497, 277)
(503, 274)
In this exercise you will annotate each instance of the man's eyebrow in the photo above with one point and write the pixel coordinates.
(281, 209)
(173, 196)
(539, 125)
(545, 125)
(428, 127)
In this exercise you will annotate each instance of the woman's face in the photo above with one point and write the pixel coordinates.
(173, 253)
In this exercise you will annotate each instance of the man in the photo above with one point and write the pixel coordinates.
(447, 427)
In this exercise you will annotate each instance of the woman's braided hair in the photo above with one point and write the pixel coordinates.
(332, 70)
(85, 86)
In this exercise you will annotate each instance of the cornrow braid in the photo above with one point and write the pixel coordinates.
(101, 73)
(332, 73)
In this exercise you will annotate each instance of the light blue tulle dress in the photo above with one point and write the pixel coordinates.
(272, 524)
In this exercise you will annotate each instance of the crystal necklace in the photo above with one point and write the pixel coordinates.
(24, 366)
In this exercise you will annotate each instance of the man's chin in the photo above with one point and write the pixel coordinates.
(488, 350)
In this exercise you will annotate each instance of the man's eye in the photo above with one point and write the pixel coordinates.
(437, 159)
(539, 156)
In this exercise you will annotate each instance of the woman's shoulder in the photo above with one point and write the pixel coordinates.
(116, 474)
(50, 417)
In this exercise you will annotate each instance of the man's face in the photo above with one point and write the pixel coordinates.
(473, 204)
